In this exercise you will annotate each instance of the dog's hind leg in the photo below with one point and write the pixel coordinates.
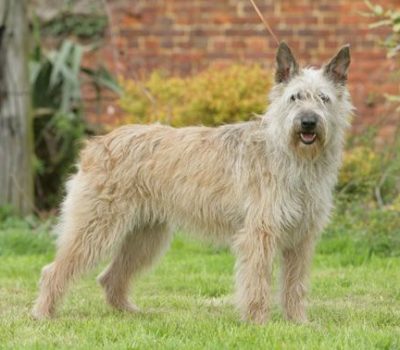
(88, 230)
(138, 251)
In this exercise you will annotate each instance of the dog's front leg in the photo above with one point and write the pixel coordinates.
(254, 251)
(295, 274)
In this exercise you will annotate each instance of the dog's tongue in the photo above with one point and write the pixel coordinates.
(308, 137)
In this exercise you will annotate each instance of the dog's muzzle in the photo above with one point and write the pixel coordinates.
(308, 128)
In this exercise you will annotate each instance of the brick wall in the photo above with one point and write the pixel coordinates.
(185, 36)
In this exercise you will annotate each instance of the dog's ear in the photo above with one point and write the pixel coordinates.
(286, 65)
(338, 66)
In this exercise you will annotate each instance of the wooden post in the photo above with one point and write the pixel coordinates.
(16, 173)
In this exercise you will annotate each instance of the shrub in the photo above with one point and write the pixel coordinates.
(373, 231)
(368, 199)
(57, 108)
(57, 119)
(386, 18)
(213, 97)
(360, 171)
(369, 176)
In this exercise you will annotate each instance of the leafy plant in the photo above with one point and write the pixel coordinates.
(368, 174)
(387, 18)
(360, 171)
(58, 124)
(82, 26)
(213, 97)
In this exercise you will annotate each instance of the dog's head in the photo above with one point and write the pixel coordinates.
(310, 108)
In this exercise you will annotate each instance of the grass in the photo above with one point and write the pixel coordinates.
(354, 303)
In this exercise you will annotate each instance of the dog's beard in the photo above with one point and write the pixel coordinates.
(307, 144)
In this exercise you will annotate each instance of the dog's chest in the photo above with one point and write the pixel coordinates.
(300, 204)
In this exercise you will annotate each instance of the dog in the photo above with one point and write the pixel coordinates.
(263, 186)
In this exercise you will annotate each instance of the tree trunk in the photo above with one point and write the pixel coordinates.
(16, 178)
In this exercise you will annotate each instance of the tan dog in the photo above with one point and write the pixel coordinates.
(263, 186)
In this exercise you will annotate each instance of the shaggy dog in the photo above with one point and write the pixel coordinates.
(263, 186)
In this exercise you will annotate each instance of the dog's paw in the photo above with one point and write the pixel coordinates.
(300, 318)
(41, 315)
(258, 317)
(124, 306)
(130, 307)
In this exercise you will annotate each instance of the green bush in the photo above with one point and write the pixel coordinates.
(369, 175)
(58, 122)
(371, 231)
(367, 201)
(389, 18)
(214, 97)
(360, 171)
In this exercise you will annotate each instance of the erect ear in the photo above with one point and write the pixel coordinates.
(338, 66)
(286, 65)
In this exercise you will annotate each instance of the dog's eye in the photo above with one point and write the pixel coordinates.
(324, 98)
(295, 97)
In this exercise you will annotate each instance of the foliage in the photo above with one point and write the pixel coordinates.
(369, 175)
(366, 231)
(213, 97)
(372, 176)
(82, 26)
(84, 20)
(368, 197)
(58, 124)
(6, 211)
(387, 18)
(360, 170)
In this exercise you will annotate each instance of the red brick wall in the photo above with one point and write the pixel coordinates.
(185, 36)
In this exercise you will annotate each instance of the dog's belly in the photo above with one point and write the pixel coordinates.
(212, 220)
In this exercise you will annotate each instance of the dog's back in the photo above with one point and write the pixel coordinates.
(195, 178)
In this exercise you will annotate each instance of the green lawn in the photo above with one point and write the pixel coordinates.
(354, 303)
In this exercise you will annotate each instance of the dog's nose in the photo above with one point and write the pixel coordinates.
(308, 122)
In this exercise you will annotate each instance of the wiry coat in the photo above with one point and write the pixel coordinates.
(252, 185)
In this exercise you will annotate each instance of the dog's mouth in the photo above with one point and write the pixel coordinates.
(308, 138)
